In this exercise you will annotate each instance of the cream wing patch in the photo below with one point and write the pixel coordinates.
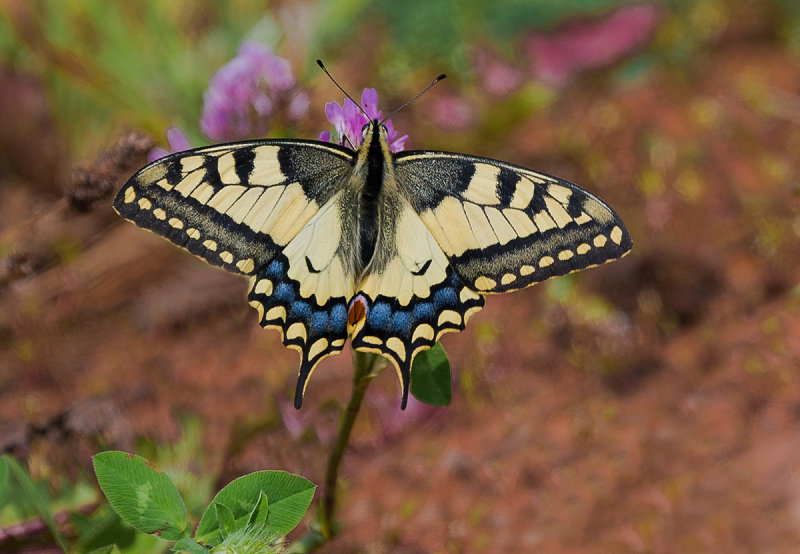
(417, 265)
(313, 259)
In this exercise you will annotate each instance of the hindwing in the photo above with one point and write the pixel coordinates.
(504, 227)
(410, 295)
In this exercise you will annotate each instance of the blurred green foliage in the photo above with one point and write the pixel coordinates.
(144, 64)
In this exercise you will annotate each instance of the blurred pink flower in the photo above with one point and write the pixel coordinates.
(177, 140)
(497, 77)
(244, 94)
(451, 112)
(348, 120)
(558, 56)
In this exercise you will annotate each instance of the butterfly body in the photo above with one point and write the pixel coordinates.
(390, 250)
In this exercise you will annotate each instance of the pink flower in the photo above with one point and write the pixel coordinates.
(560, 55)
(244, 94)
(348, 120)
(177, 140)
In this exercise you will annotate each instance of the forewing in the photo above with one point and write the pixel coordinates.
(410, 295)
(235, 205)
(504, 227)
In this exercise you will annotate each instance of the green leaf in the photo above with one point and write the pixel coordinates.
(430, 377)
(144, 497)
(188, 545)
(258, 516)
(225, 520)
(5, 484)
(34, 497)
(289, 497)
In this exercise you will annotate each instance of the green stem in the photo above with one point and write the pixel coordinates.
(325, 527)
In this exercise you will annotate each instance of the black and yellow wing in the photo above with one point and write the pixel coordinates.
(457, 227)
(505, 227)
(270, 210)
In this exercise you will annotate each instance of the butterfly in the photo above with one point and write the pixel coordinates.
(390, 250)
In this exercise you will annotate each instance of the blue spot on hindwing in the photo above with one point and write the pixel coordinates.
(284, 292)
(401, 323)
(445, 298)
(379, 315)
(301, 310)
(319, 322)
(424, 311)
(338, 317)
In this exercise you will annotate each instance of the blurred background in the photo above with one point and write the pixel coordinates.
(650, 405)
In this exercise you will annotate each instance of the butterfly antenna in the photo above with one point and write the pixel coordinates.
(423, 91)
(325, 69)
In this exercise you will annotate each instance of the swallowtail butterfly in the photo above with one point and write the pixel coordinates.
(389, 249)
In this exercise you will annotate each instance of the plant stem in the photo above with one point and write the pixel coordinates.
(363, 363)
(324, 528)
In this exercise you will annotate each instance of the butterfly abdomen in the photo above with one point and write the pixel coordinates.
(370, 195)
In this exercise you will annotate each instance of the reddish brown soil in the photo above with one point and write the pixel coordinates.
(651, 405)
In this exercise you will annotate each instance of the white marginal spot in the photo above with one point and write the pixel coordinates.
(565, 255)
(193, 233)
(227, 257)
(130, 195)
(449, 316)
(423, 331)
(259, 307)
(317, 348)
(600, 241)
(158, 213)
(246, 266)
(369, 339)
(276, 312)
(485, 283)
(583, 248)
(337, 343)
(616, 234)
(468, 294)
(264, 286)
(546, 261)
(145, 204)
(296, 331)
(526, 270)
(175, 222)
(508, 278)
(471, 312)
(210, 244)
(396, 345)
